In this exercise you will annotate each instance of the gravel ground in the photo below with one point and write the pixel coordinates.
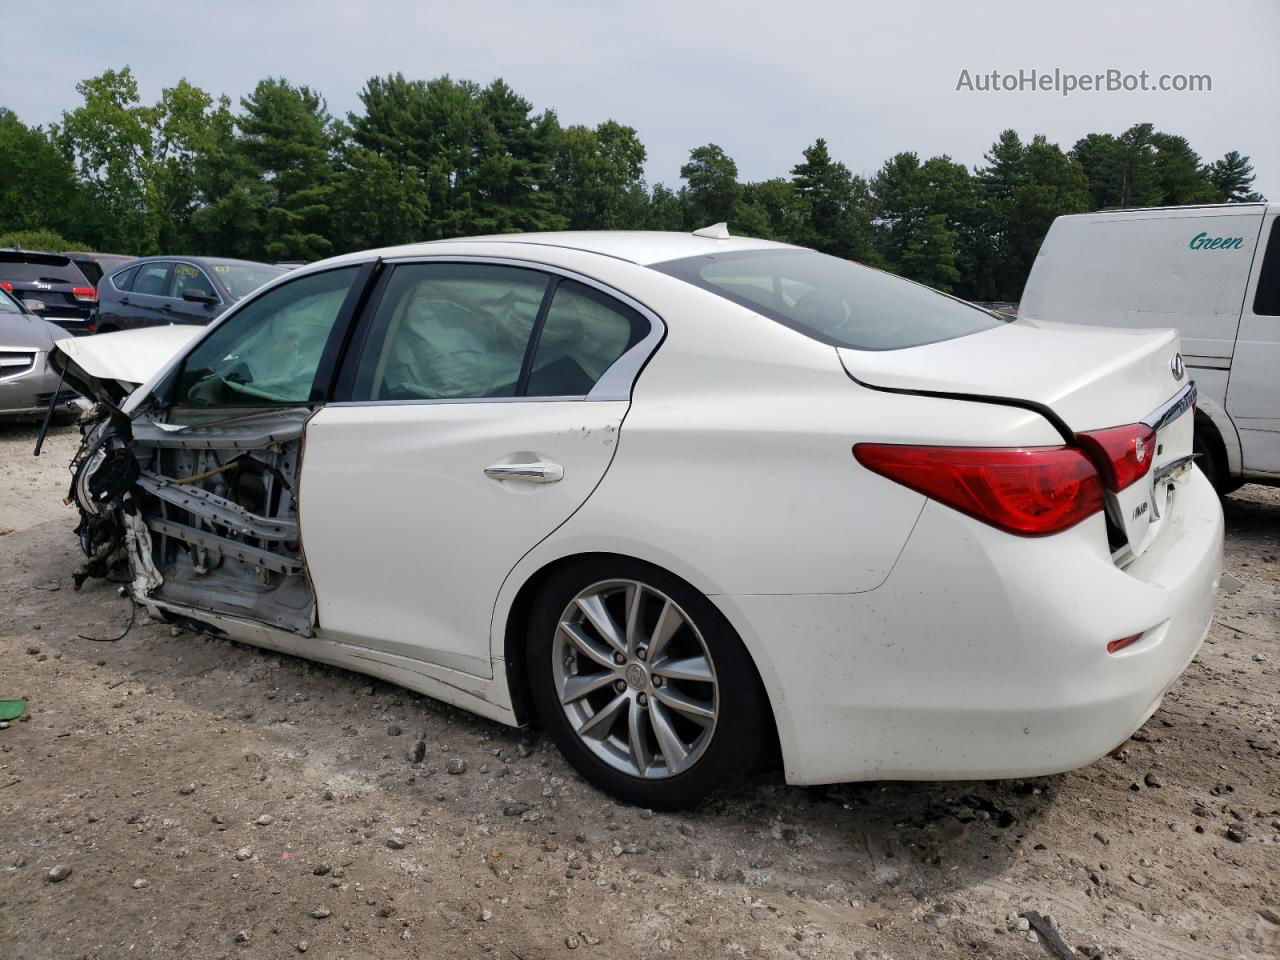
(176, 796)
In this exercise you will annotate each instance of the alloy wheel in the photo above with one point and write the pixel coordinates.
(635, 678)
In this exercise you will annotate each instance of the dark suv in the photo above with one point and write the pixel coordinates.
(159, 290)
(52, 285)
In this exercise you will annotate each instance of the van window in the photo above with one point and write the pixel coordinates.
(833, 301)
(1266, 302)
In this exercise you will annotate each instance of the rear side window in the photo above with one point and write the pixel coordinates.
(123, 280)
(268, 352)
(24, 267)
(151, 278)
(1266, 302)
(584, 332)
(833, 301)
(448, 331)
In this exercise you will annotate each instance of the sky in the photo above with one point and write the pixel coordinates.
(762, 80)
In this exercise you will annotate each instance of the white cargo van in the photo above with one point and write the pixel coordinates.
(1213, 272)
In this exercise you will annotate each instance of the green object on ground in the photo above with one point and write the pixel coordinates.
(12, 709)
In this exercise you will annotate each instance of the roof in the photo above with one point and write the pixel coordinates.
(644, 247)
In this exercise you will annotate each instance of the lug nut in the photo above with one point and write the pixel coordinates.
(620, 686)
(658, 681)
(643, 700)
(619, 659)
(642, 653)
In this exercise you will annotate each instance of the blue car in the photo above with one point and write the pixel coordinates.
(153, 291)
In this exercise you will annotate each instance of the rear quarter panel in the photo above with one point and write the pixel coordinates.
(734, 467)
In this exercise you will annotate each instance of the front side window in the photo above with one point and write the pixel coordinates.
(583, 333)
(831, 300)
(445, 331)
(266, 353)
(186, 277)
(151, 278)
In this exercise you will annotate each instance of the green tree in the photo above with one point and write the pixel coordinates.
(378, 202)
(712, 182)
(836, 205)
(38, 186)
(1022, 189)
(288, 142)
(139, 161)
(1233, 177)
(930, 255)
(598, 177)
(667, 209)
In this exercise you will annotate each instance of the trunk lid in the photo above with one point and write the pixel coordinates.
(1087, 378)
(1091, 377)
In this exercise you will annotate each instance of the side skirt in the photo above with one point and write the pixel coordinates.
(486, 698)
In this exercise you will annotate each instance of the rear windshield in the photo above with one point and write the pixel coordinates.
(835, 301)
(25, 267)
(241, 278)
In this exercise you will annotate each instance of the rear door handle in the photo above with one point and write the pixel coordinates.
(125, 301)
(533, 472)
(167, 308)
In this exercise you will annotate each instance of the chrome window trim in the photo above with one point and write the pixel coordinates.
(614, 384)
(1180, 403)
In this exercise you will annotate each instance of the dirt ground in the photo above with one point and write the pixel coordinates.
(213, 800)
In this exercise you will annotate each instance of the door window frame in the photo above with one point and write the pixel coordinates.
(616, 383)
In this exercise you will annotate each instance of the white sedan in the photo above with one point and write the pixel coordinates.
(685, 501)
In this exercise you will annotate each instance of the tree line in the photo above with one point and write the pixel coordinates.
(281, 178)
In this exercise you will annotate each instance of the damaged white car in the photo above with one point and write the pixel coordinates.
(684, 500)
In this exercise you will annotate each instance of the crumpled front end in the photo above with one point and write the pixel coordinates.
(202, 516)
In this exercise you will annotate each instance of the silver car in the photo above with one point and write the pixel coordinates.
(27, 383)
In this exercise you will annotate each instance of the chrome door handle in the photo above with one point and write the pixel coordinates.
(533, 472)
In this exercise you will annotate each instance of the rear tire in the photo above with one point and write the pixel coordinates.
(643, 684)
(1211, 458)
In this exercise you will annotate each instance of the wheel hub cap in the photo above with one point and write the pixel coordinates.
(637, 679)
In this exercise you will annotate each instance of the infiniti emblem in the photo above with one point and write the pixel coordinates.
(1176, 367)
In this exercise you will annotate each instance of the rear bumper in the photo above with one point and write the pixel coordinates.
(984, 655)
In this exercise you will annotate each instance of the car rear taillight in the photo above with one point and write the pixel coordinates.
(85, 294)
(1030, 491)
(6, 286)
(1122, 455)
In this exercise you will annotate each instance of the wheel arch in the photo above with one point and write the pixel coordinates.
(514, 627)
(1213, 422)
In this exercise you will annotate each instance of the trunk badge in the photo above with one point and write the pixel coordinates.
(1176, 367)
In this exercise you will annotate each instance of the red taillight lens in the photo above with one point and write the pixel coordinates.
(1123, 455)
(1031, 491)
(6, 286)
(88, 294)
